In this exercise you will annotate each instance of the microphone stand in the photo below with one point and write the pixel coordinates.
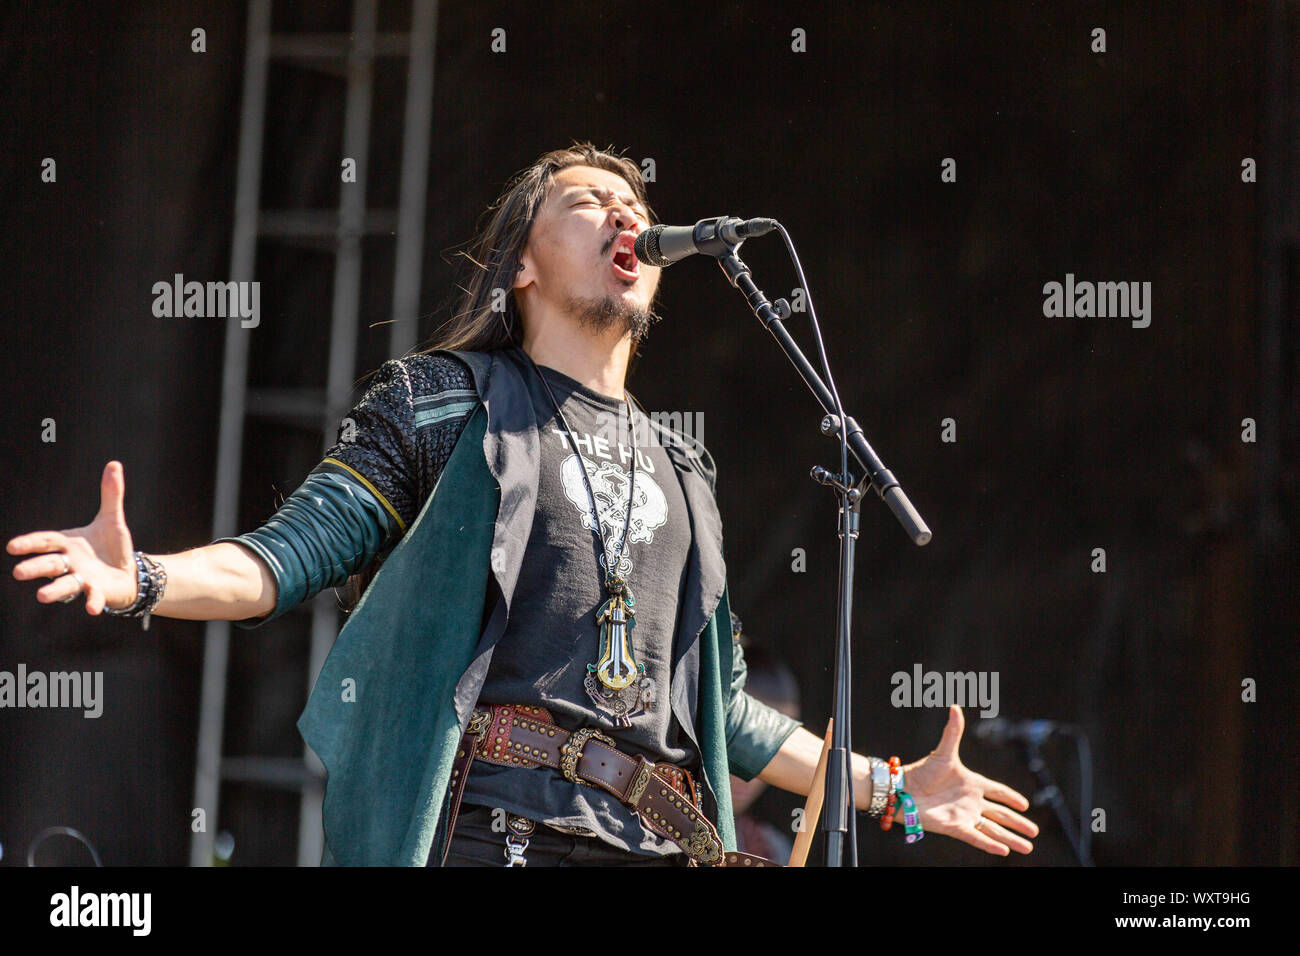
(1031, 741)
(1050, 793)
(838, 818)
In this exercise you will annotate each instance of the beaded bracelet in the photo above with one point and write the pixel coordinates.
(887, 820)
(151, 580)
(895, 779)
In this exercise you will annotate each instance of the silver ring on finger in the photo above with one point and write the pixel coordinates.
(67, 565)
(81, 585)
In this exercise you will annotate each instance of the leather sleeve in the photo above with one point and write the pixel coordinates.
(328, 529)
(755, 731)
(357, 503)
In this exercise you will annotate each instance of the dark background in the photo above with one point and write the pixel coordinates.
(1073, 433)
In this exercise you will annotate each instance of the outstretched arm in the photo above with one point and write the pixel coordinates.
(356, 503)
(222, 581)
(951, 798)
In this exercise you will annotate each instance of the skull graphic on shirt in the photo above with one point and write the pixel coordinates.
(609, 485)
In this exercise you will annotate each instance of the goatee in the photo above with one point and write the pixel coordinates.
(607, 312)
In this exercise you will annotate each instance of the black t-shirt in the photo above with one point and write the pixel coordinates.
(552, 633)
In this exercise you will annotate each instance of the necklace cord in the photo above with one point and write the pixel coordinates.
(582, 467)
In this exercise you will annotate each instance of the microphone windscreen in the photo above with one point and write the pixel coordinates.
(646, 248)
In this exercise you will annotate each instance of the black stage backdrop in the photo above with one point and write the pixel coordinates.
(1027, 441)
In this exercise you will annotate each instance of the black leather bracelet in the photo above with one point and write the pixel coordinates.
(151, 581)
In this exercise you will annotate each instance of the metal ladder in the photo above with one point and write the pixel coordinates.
(354, 55)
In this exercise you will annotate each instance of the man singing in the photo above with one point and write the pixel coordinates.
(543, 667)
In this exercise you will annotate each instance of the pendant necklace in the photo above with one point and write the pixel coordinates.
(616, 683)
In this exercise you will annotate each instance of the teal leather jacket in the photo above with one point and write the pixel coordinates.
(395, 694)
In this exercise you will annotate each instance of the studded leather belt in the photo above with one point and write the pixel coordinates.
(662, 795)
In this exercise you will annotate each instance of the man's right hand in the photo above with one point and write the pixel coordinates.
(100, 552)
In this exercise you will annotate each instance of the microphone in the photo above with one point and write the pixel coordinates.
(663, 245)
(999, 730)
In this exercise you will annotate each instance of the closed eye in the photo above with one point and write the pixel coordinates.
(636, 210)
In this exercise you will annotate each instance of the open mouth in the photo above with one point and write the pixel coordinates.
(624, 259)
